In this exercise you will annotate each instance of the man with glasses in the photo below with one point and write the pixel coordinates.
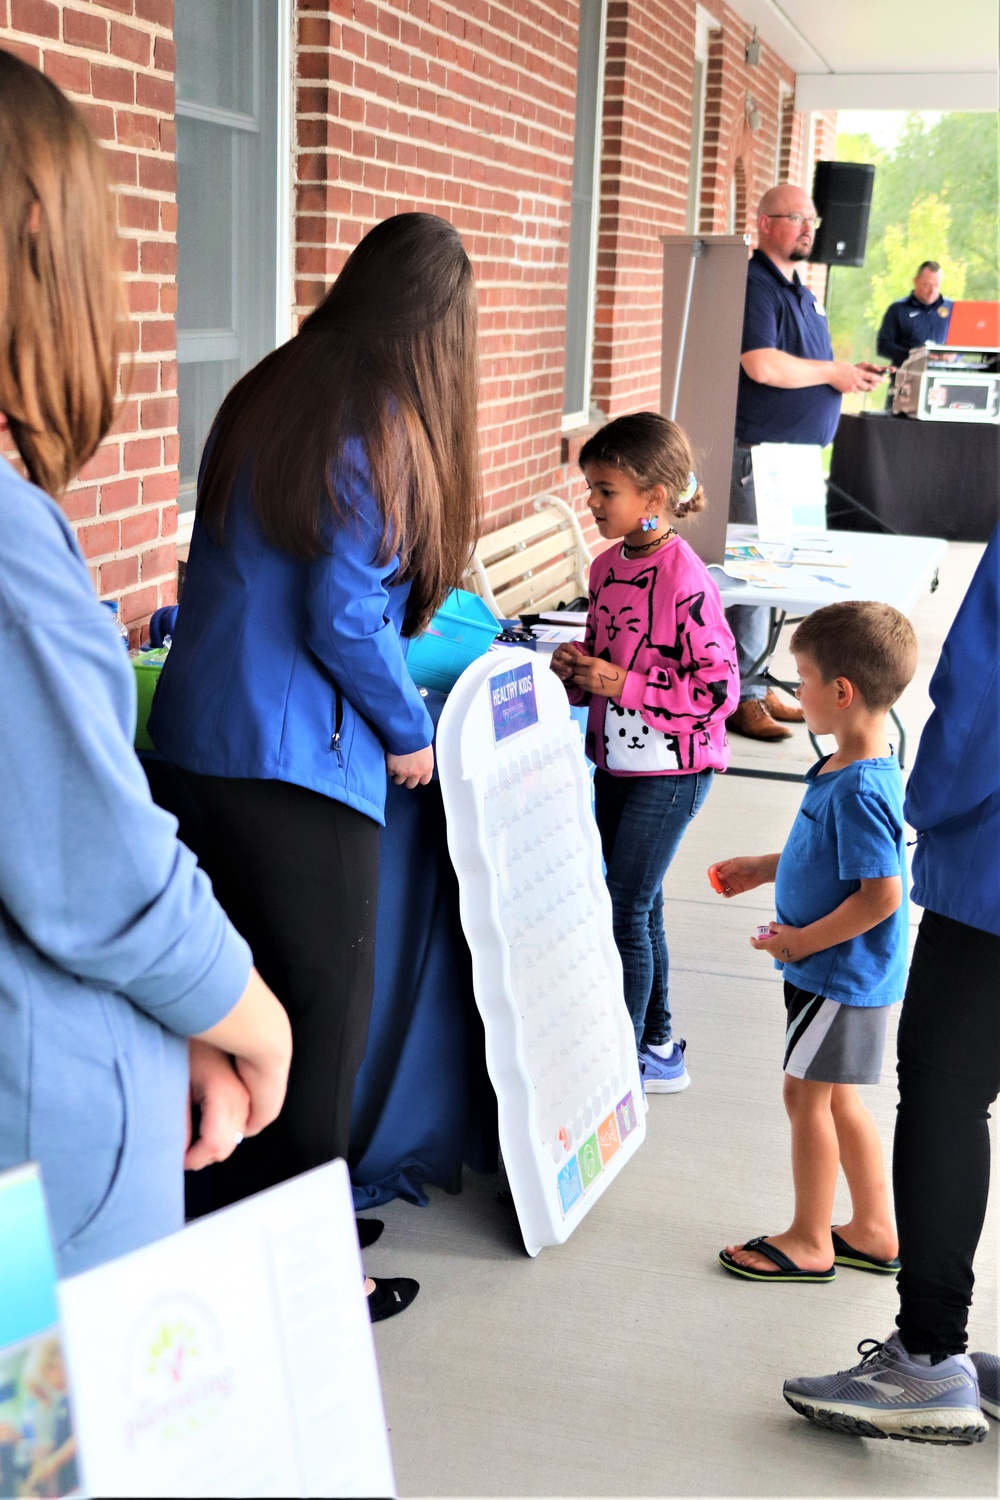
(790, 389)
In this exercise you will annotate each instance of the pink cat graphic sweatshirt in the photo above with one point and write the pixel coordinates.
(660, 618)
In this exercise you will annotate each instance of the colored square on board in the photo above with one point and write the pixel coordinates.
(590, 1161)
(627, 1118)
(512, 701)
(607, 1138)
(570, 1186)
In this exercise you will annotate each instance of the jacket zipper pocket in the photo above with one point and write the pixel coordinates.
(335, 741)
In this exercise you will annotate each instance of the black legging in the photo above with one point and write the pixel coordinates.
(297, 873)
(949, 1075)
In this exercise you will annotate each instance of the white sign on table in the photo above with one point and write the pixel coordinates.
(234, 1358)
(560, 1045)
(790, 489)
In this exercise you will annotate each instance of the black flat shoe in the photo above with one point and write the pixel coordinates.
(368, 1231)
(391, 1297)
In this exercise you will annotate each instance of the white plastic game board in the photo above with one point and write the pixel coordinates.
(560, 1046)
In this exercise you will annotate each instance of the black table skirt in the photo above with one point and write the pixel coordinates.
(919, 478)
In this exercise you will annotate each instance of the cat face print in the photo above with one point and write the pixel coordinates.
(630, 744)
(623, 610)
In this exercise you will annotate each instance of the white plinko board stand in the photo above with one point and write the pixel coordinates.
(560, 1046)
(233, 1358)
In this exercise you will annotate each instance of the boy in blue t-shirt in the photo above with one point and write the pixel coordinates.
(840, 938)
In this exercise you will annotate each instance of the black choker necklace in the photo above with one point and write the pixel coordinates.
(648, 546)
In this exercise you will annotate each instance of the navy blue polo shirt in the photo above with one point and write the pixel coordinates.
(909, 323)
(783, 314)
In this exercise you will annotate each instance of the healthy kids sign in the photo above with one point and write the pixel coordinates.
(512, 700)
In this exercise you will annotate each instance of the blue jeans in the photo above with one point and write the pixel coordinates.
(749, 623)
(642, 820)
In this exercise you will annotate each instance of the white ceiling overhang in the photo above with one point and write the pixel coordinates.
(884, 54)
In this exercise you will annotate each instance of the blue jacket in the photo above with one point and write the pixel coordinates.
(289, 670)
(909, 323)
(953, 796)
(112, 947)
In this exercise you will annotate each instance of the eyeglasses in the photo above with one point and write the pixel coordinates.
(797, 219)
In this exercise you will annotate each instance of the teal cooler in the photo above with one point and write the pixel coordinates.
(461, 631)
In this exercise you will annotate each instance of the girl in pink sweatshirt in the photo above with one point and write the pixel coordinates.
(658, 668)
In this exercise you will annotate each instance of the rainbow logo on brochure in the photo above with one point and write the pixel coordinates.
(585, 1166)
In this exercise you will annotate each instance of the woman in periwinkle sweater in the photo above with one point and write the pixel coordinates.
(113, 950)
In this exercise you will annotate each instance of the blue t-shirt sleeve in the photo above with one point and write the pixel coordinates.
(868, 833)
(760, 318)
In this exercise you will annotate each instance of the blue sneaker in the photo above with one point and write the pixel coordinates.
(663, 1075)
(988, 1370)
(890, 1395)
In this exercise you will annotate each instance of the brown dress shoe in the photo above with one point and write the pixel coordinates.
(785, 713)
(753, 720)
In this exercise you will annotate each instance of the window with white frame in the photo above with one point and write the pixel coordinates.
(582, 278)
(809, 158)
(699, 88)
(233, 242)
(782, 143)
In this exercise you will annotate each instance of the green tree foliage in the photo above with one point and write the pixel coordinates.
(928, 223)
(935, 198)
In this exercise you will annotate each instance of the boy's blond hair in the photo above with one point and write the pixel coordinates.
(872, 645)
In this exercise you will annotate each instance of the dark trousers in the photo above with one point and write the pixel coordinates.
(642, 820)
(297, 874)
(750, 623)
(949, 1075)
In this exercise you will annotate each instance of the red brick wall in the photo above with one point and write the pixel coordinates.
(647, 143)
(465, 110)
(450, 106)
(116, 58)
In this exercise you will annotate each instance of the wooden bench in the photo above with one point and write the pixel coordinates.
(534, 564)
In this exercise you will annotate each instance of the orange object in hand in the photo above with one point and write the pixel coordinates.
(714, 880)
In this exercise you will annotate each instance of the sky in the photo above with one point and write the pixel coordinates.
(885, 126)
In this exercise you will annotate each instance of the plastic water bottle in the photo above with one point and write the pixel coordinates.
(120, 626)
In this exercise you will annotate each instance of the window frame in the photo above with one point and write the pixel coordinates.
(704, 23)
(283, 308)
(579, 416)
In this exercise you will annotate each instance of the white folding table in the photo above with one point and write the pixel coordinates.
(894, 570)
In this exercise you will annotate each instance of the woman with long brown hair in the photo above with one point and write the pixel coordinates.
(337, 506)
(113, 951)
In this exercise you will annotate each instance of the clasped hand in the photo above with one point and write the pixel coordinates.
(783, 944)
(591, 674)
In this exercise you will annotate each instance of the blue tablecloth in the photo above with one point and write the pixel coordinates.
(423, 1103)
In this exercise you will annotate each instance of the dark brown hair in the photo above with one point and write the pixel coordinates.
(389, 357)
(872, 645)
(927, 265)
(62, 311)
(651, 450)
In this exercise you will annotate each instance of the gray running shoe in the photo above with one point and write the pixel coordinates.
(988, 1370)
(889, 1395)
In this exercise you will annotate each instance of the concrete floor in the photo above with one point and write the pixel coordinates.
(627, 1362)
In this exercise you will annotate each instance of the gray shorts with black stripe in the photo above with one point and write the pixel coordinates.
(828, 1042)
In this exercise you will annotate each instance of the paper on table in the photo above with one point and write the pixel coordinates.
(234, 1358)
(563, 617)
(558, 634)
(790, 489)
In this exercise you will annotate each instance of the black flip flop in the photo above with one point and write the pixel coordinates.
(391, 1296)
(845, 1255)
(787, 1269)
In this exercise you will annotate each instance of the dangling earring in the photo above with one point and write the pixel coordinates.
(649, 523)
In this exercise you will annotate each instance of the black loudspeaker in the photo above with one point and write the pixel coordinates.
(842, 193)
